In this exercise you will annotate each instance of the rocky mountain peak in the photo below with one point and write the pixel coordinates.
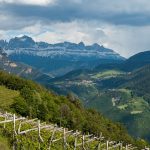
(21, 42)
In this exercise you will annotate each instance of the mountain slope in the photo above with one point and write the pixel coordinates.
(140, 82)
(60, 58)
(137, 61)
(21, 69)
(134, 62)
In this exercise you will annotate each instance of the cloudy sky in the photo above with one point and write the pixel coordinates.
(123, 25)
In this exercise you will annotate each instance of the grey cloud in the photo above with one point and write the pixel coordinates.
(118, 12)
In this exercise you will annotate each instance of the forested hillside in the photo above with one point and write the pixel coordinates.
(140, 82)
(121, 96)
(30, 99)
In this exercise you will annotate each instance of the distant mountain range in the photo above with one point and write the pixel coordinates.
(58, 59)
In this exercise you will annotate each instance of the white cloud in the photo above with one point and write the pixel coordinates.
(2, 35)
(60, 32)
(29, 2)
(126, 40)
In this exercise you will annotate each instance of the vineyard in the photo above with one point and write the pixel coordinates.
(31, 134)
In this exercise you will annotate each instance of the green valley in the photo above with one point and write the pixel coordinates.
(121, 96)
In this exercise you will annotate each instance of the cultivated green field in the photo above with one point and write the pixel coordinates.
(107, 73)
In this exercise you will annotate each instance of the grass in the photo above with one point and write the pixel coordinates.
(122, 107)
(138, 104)
(108, 73)
(7, 96)
(127, 91)
(136, 112)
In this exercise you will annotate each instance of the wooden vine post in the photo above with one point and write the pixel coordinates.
(14, 132)
(83, 140)
(107, 145)
(64, 139)
(121, 146)
(39, 134)
(75, 141)
(126, 147)
(5, 120)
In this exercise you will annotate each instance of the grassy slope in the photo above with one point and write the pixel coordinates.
(6, 99)
(133, 112)
(7, 96)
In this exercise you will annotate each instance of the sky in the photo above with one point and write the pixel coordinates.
(122, 25)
